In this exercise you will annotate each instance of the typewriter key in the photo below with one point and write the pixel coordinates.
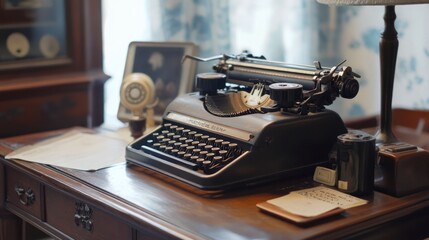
(185, 132)
(218, 142)
(203, 154)
(187, 156)
(224, 145)
(196, 152)
(209, 156)
(168, 149)
(211, 141)
(193, 159)
(204, 138)
(182, 147)
(215, 150)
(180, 154)
(201, 145)
(174, 151)
(189, 149)
(197, 136)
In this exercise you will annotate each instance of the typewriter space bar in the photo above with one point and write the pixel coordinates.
(170, 158)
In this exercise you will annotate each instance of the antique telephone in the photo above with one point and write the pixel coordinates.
(251, 121)
(137, 96)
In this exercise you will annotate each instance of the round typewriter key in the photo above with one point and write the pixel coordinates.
(149, 142)
(165, 140)
(166, 125)
(185, 132)
(203, 154)
(182, 139)
(200, 161)
(177, 145)
(162, 147)
(180, 154)
(171, 142)
(165, 132)
(207, 164)
(155, 134)
(160, 137)
(176, 137)
(217, 159)
(223, 153)
(196, 152)
(182, 147)
(168, 149)
(170, 134)
(193, 158)
(224, 145)
(195, 142)
(189, 149)
(174, 151)
(209, 156)
(187, 156)
(211, 140)
(208, 147)
(197, 136)
(189, 141)
(204, 138)
(215, 150)
(217, 142)
(201, 145)
(173, 127)
(191, 134)
(179, 130)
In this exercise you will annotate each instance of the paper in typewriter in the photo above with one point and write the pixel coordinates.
(76, 150)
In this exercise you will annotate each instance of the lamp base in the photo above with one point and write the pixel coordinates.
(402, 169)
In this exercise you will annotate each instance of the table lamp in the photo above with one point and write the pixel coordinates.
(388, 52)
(403, 171)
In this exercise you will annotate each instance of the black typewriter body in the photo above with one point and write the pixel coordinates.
(202, 147)
(272, 145)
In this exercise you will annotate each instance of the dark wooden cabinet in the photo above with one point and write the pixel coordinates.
(51, 73)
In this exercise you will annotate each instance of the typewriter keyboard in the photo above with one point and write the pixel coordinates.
(190, 148)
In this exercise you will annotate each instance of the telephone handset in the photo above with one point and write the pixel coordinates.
(137, 97)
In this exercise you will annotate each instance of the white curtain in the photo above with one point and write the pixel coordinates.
(281, 30)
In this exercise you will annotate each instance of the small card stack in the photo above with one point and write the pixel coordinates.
(311, 204)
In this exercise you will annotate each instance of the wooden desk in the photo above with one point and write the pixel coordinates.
(128, 202)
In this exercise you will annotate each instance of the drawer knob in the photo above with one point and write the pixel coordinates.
(82, 216)
(26, 197)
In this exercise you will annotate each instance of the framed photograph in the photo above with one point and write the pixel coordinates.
(162, 62)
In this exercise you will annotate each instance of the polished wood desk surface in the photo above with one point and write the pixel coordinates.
(144, 198)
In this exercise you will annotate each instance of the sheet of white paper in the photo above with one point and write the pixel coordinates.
(332, 196)
(77, 150)
(300, 205)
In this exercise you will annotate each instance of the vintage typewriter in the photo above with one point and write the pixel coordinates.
(251, 121)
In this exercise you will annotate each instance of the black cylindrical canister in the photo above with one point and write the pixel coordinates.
(356, 155)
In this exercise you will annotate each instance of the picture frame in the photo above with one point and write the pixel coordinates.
(162, 62)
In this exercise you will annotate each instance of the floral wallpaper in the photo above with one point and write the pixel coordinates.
(301, 32)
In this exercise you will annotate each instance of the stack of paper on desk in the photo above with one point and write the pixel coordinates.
(77, 150)
(310, 204)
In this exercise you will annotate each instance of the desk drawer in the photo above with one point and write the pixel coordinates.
(23, 192)
(82, 220)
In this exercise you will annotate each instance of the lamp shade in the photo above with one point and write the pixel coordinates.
(372, 2)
